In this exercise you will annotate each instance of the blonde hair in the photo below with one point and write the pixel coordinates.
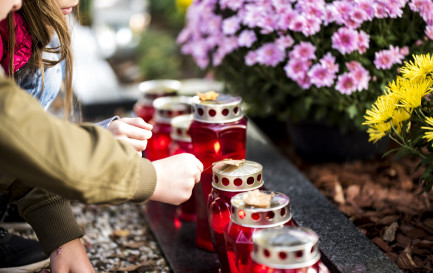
(44, 18)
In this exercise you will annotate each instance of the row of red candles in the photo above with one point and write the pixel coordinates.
(246, 239)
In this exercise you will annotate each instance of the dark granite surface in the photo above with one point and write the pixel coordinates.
(344, 248)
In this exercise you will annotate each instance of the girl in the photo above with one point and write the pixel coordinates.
(35, 51)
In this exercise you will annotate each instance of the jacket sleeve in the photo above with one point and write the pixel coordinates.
(78, 162)
(49, 214)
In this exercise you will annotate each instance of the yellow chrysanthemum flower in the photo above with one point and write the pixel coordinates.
(429, 134)
(410, 93)
(377, 131)
(381, 110)
(398, 117)
(419, 69)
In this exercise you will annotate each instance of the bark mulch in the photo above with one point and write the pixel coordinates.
(384, 200)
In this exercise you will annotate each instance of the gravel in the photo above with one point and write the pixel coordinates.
(117, 238)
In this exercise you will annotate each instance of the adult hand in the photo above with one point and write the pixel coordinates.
(176, 176)
(70, 258)
(133, 130)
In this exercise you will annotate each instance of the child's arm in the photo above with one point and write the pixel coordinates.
(70, 258)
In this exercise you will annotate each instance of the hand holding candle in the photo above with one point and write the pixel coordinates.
(176, 177)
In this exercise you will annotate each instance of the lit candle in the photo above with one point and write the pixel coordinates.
(286, 250)
(181, 143)
(218, 131)
(247, 219)
(166, 109)
(229, 179)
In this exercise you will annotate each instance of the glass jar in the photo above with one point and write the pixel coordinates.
(229, 180)
(150, 91)
(166, 109)
(181, 143)
(218, 131)
(286, 250)
(246, 219)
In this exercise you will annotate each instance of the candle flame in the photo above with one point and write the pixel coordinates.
(217, 147)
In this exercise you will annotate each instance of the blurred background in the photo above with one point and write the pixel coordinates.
(119, 44)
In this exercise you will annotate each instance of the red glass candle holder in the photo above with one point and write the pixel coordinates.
(286, 250)
(218, 131)
(150, 91)
(228, 181)
(245, 220)
(166, 109)
(181, 143)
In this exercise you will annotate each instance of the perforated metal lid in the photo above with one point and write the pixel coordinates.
(167, 108)
(153, 89)
(180, 126)
(285, 247)
(229, 177)
(225, 108)
(256, 217)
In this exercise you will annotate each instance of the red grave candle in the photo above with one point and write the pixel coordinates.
(229, 180)
(286, 250)
(181, 143)
(166, 109)
(246, 219)
(152, 90)
(218, 131)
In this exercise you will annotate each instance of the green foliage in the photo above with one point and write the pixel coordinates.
(158, 55)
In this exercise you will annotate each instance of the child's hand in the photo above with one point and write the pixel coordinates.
(176, 177)
(134, 130)
(70, 258)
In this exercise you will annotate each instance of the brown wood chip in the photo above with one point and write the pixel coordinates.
(381, 244)
(404, 260)
(389, 232)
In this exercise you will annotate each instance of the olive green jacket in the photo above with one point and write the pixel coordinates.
(42, 156)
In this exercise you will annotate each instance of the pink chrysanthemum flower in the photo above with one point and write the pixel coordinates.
(404, 51)
(312, 26)
(304, 51)
(231, 25)
(251, 58)
(345, 40)
(231, 4)
(247, 38)
(383, 59)
(320, 76)
(270, 55)
(296, 69)
(284, 42)
(359, 16)
(328, 61)
(297, 24)
(342, 11)
(359, 74)
(304, 82)
(285, 19)
(429, 32)
(380, 10)
(363, 42)
(330, 15)
(346, 84)
(367, 7)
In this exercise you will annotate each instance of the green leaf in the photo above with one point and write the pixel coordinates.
(353, 111)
